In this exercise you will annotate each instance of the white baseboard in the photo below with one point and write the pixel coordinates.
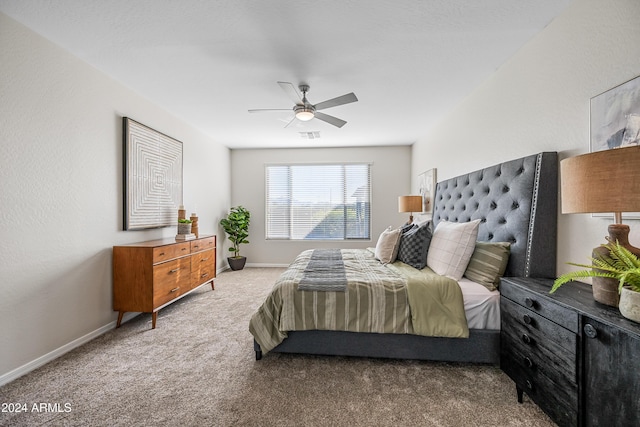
(254, 264)
(35, 364)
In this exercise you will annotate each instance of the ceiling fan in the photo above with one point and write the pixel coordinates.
(305, 111)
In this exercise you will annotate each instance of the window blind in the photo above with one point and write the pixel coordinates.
(318, 201)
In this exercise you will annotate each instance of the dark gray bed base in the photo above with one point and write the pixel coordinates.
(482, 346)
(516, 202)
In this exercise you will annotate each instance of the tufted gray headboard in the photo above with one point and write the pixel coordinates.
(517, 202)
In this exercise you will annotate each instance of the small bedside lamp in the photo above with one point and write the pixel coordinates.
(604, 181)
(410, 204)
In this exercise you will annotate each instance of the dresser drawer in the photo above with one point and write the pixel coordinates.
(542, 336)
(545, 307)
(203, 244)
(203, 267)
(165, 253)
(170, 279)
(559, 400)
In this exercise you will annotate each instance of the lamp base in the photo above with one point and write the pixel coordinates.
(605, 290)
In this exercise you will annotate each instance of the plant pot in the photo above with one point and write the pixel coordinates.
(236, 263)
(184, 228)
(630, 304)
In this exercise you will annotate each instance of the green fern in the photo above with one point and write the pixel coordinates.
(621, 265)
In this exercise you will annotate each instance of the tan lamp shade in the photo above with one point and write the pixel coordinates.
(603, 181)
(410, 204)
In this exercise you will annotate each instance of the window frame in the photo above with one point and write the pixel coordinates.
(345, 206)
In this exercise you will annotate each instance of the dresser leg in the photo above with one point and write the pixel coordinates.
(120, 314)
(212, 286)
(519, 391)
(154, 317)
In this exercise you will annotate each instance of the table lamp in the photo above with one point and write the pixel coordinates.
(410, 204)
(604, 181)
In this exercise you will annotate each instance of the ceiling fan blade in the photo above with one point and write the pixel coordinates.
(341, 100)
(291, 92)
(330, 119)
(274, 110)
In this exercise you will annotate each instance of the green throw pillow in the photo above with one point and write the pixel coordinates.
(488, 263)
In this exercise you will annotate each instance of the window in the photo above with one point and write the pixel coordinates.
(318, 201)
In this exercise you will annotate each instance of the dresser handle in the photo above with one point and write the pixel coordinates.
(528, 362)
(529, 302)
(175, 289)
(204, 260)
(526, 338)
(183, 249)
(196, 247)
(527, 319)
(175, 270)
(204, 275)
(590, 331)
(161, 253)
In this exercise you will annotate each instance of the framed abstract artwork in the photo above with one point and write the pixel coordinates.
(427, 189)
(615, 117)
(152, 177)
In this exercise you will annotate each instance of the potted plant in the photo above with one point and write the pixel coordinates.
(236, 225)
(184, 226)
(618, 263)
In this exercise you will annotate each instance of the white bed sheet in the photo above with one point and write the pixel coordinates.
(481, 305)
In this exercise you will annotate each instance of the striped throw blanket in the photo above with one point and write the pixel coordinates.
(378, 299)
(324, 272)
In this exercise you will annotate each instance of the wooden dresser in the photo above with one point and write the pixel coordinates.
(577, 359)
(148, 276)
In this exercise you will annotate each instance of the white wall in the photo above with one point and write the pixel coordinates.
(61, 198)
(390, 178)
(539, 101)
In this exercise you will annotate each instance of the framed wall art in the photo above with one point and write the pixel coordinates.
(152, 177)
(427, 189)
(615, 117)
(615, 123)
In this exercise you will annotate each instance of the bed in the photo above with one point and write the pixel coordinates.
(515, 202)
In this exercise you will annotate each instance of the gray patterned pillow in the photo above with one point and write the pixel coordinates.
(414, 245)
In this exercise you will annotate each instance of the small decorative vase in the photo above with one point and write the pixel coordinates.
(630, 304)
(184, 228)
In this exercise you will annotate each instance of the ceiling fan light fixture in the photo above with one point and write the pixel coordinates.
(304, 113)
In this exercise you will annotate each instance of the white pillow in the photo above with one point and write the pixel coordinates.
(451, 247)
(387, 246)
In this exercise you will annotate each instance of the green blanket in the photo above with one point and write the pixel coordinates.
(437, 307)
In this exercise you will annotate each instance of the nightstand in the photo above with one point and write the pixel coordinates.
(577, 359)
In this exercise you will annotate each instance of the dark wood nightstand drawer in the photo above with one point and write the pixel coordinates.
(558, 400)
(542, 305)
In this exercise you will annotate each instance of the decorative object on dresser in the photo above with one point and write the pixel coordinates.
(578, 360)
(236, 225)
(185, 226)
(604, 181)
(152, 176)
(194, 224)
(410, 204)
(148, 276)
(618, 264)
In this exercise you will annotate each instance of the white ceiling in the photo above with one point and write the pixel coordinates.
(409, 62)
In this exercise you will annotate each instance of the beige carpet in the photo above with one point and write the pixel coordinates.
(198, 368)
